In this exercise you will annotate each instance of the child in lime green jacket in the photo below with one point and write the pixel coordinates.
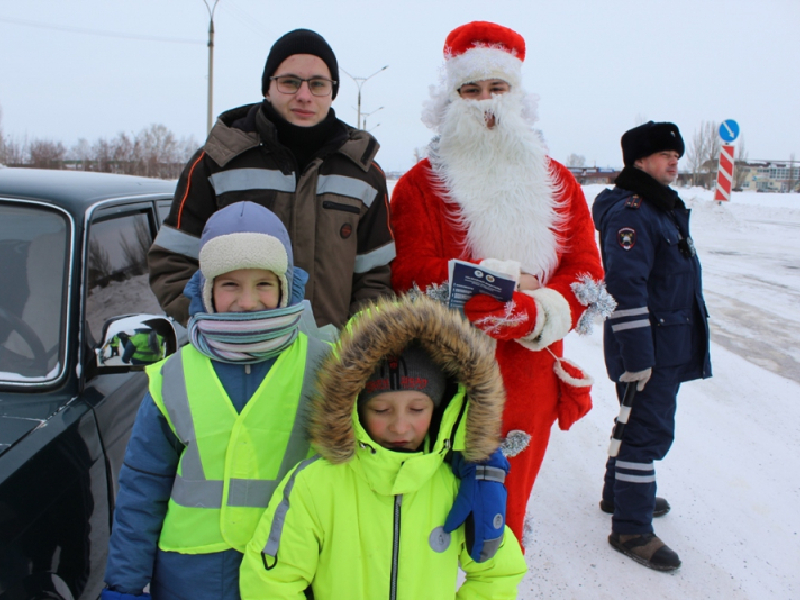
(410, 383)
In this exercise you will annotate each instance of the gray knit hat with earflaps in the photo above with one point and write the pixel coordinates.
(245, 235)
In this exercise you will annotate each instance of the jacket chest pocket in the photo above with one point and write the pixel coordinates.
(339, 220)
(673, 336)
(331, 205)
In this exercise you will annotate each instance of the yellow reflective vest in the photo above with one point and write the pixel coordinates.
(232, 462)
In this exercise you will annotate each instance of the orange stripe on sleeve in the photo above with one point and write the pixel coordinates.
(188, 185)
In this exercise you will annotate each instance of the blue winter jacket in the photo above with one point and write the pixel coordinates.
(661, 319)
(145, 484)
(151, 461)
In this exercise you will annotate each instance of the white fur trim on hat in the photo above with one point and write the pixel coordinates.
(235, 251)
(553, 319)
(481, 63)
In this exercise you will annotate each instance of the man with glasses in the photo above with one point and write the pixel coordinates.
(292, 155)
(489, 194)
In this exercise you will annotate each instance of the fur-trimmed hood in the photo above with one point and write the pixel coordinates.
(465, 354)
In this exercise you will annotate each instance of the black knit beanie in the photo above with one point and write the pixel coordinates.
(412, 370)
(300, 41)
(650, 138)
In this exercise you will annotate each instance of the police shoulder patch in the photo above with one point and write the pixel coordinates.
(634, 201)
(626, 237)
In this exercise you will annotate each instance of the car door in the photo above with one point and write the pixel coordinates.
(118, 236)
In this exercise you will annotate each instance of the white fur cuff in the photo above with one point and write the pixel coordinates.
(553, 319)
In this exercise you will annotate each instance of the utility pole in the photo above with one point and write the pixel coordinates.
(359, 81)
(210, 102)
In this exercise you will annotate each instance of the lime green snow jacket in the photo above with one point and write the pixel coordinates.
(362, 522)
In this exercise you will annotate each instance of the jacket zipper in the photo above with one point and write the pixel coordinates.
(398, 501)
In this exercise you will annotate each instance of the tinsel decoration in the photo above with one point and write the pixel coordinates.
(592, 294)
(516, 441)
(435, 291)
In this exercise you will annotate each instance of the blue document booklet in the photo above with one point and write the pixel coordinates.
(468, 279)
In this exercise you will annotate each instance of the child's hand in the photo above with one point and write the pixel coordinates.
(480, 504)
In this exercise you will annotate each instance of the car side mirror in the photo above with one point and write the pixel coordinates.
(132, 342)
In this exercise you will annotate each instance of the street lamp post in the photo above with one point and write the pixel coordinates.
(367, 115)
(359, 81)
(210, 102)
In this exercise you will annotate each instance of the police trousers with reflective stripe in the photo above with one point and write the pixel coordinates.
(630, 479)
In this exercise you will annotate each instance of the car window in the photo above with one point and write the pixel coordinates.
(34, 258)
(117, 279)
(163, 209)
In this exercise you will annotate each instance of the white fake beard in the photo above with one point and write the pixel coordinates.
(500, 181)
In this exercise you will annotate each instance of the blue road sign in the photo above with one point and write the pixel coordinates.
(729, 130)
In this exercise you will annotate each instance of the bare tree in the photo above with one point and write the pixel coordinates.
(739, 162)
(82, 154)
(135, 251)
(102, 155)
(794, 175)
(703, 153)
(46, 154)
(576, 160)
(100, 267)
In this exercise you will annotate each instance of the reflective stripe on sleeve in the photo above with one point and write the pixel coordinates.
(377, 258)
(629, 312)
(279, 519)
(237, 180)
(178, 242)
(631, 325)
(346, 186)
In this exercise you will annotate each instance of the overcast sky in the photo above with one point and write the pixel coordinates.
(94, 68)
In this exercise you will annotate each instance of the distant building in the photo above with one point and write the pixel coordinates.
(587, 175)
(768, 176)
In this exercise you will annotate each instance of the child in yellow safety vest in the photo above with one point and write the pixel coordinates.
(410, 388)
(223, 420)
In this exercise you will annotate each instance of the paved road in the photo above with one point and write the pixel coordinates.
(752, 289)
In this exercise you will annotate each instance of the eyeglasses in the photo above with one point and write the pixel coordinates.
(289, 84)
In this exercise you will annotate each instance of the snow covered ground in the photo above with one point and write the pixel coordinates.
(733, 474)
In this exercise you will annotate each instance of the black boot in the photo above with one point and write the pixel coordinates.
(662, 507)
(646, 549)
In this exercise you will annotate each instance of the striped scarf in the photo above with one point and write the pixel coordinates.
(245, 337)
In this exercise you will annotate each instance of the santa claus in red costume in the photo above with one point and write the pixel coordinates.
(488, 194)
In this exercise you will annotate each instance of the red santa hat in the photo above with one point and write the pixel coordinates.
(483, 50)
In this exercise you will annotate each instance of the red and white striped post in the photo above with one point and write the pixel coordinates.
(724, 174)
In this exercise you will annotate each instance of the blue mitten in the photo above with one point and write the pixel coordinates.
(108, 594)
(480, 504)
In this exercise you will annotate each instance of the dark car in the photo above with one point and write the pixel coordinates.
(77, 323)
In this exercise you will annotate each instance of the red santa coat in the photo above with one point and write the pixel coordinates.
(427, 236)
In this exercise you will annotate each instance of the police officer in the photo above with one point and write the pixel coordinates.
(657, 337)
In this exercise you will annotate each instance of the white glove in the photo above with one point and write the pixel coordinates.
(641, 377)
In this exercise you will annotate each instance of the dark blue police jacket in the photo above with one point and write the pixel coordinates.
(661, 319)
